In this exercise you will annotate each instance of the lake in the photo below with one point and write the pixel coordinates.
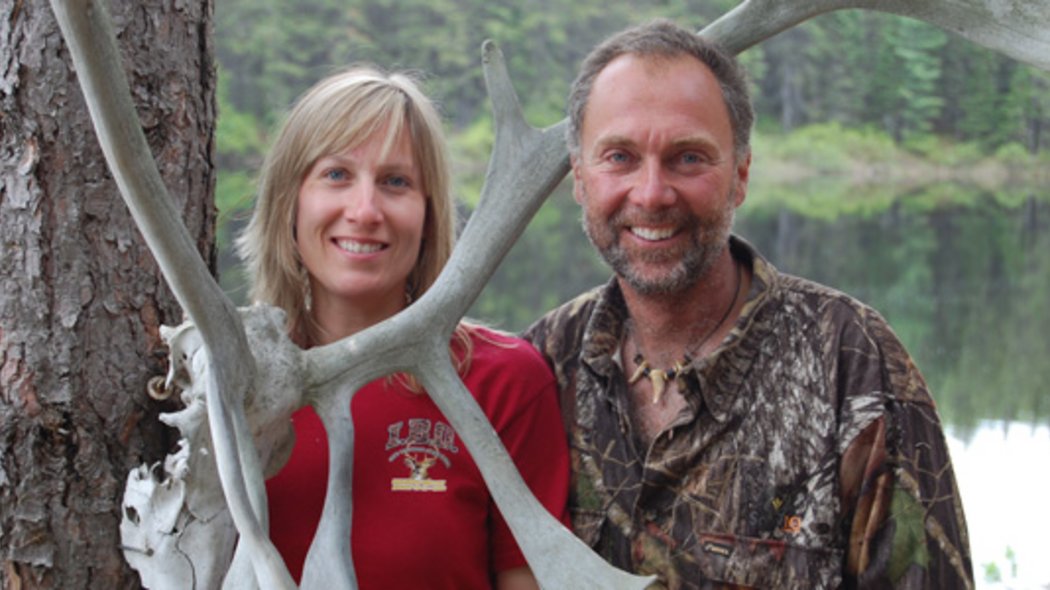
(1003, 478)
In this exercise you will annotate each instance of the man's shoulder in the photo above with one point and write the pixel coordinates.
(566, 323)
(578, 306)
(798, 293)
(825, 299)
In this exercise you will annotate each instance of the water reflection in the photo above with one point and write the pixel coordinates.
(965, 283)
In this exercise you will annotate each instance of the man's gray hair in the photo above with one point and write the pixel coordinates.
(664, 39)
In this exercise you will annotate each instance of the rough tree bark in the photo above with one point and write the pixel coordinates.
(81, 297)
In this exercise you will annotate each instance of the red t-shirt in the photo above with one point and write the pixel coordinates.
(422, 515)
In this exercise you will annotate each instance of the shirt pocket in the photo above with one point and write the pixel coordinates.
(731, 561)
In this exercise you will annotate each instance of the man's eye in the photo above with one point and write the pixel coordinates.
(691, 158)
(619, 157)
(398, 182)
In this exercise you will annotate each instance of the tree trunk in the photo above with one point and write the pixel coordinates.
(80, 295)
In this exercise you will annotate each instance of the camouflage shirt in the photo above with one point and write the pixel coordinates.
(810, 454)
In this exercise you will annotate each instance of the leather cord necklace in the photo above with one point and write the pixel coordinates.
(660, 377)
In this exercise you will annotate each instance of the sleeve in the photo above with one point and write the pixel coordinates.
(530, 429)
(906, 525)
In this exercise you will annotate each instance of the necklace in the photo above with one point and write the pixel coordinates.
(660, 377)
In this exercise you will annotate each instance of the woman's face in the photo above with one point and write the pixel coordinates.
(359, 224)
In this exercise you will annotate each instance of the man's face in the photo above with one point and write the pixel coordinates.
(656, 173)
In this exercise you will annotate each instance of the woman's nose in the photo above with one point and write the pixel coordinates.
(362, 203)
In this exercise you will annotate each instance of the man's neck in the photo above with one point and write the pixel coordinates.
(665, 327)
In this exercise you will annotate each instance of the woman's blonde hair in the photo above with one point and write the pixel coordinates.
(339, 113)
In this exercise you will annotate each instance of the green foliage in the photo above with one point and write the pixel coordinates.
(994, 575)
(1013, 153)
(914, 99)
(233, 191)
(991, 573)
(238, 137)
(470, 153)
(937, 150)
(233, 197)
(829, 147)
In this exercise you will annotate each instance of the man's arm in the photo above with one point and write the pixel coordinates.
(907, 529)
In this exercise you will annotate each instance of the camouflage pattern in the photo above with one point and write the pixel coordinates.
(810, 453)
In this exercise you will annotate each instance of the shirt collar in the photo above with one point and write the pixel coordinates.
(720, 374)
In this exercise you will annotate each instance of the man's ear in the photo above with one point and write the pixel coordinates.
(743, 174)
(577, 181)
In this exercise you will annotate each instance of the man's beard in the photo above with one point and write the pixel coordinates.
(688, 263)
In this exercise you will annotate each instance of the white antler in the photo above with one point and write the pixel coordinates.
(86, 27)
(526, 165)
(1018, 28)
(558, 557)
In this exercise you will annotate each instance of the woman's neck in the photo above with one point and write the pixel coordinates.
(333, 319)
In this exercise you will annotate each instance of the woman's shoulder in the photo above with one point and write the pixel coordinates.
(504, 362)
(499, 348)
(509, 378)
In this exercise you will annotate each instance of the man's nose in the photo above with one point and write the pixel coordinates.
(653, 191)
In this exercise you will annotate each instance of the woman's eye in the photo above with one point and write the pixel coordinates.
(335, 174)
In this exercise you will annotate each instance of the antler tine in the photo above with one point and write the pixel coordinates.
(506, 109)
(1020, 30)
(1017, 29)
(86, 28)
(558, 558)
(526, 165)
(754, 21)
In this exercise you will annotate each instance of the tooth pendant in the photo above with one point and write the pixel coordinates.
(659, 380)
(657, 377)
(642, 370)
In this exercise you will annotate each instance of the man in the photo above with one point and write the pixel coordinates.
(729, 425)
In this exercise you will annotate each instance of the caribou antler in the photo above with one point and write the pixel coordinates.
(86, 28)
(1018, 29)
(525, 167)
(559, 559)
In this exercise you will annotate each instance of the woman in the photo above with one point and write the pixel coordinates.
(354, 221)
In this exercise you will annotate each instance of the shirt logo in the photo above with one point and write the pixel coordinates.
(791, 523)
(425, 445)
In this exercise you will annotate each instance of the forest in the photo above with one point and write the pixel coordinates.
(859, 93)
